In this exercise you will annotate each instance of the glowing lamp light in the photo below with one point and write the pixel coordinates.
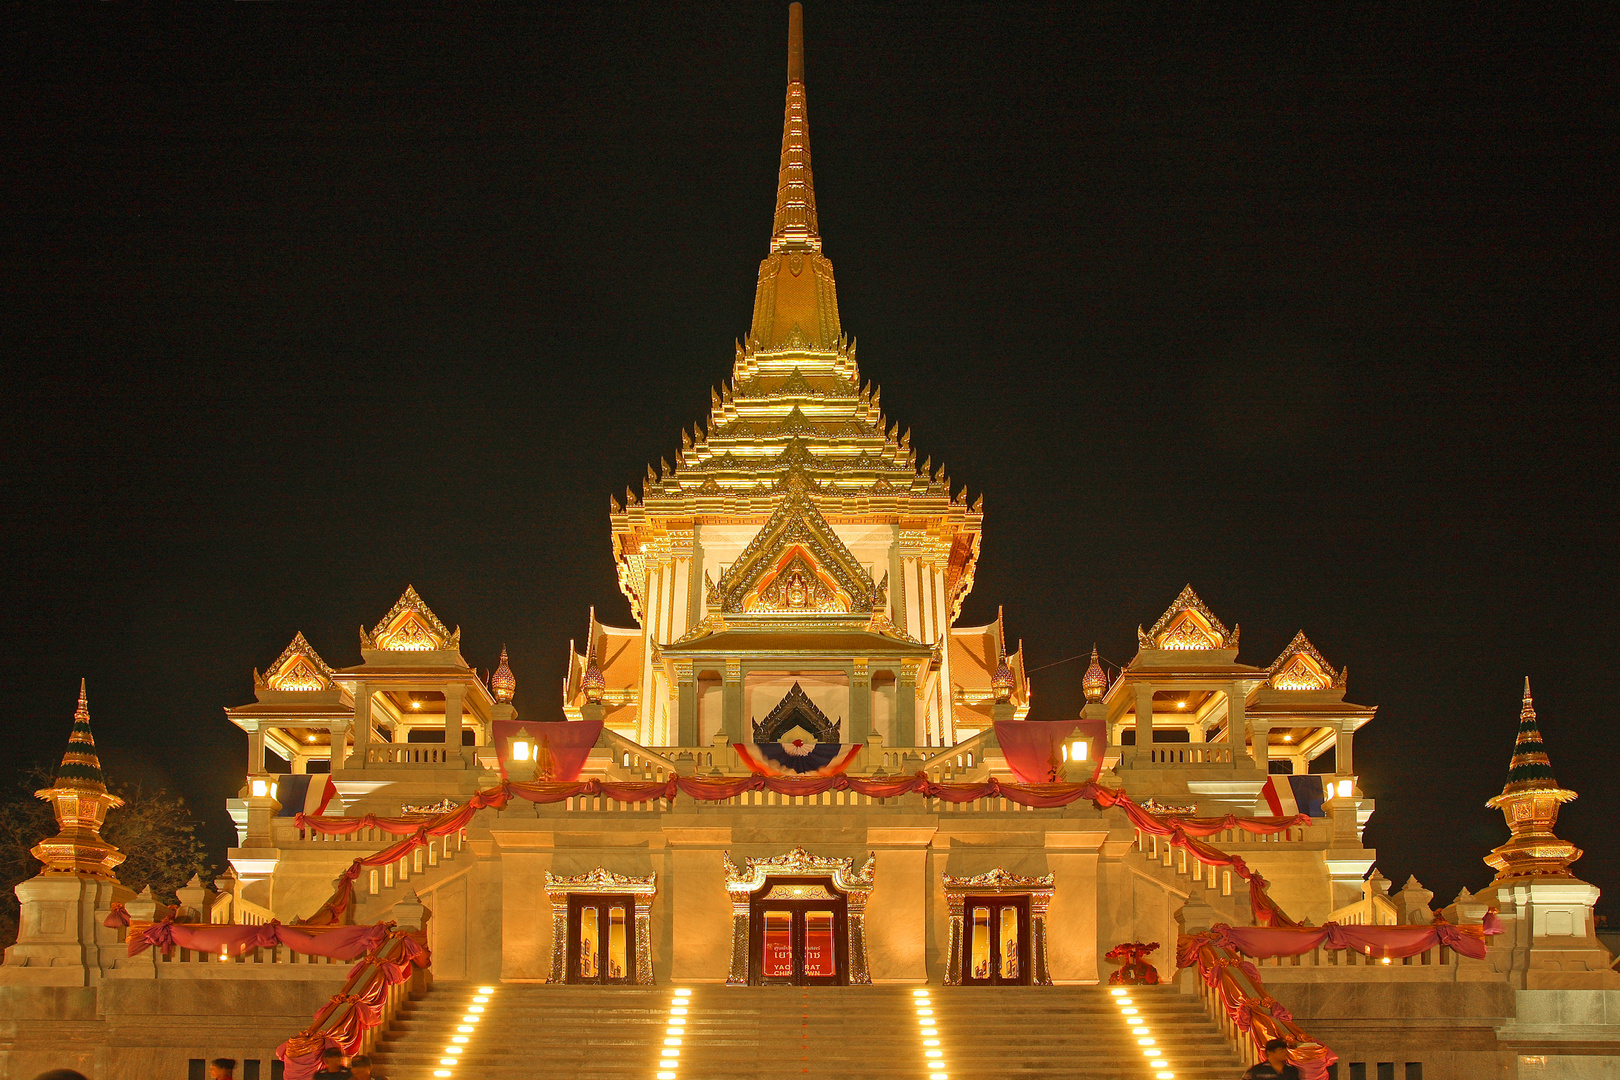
(447, 1061)
(481, 1000)
(464, 1029)
(1345, 787)
(677, 1012)
(459, 1039)
(475, 1008)
(441, 1072)
(416, 704)
(522, 745)
(919, 993)
(672, 1042)
(1128, 1012)
(1164, 1076)
(1144, 1042)
(939, 1076)
(925, 1012)
(666, 1076)
(261, 788)
(1117, 992)
(452, 1049)
(486, 989)
(683, 992)
(1079, 750)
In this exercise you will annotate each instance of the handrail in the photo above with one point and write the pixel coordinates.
(1236, 999)
(952, 759)
(361, 1009)
(645, 764)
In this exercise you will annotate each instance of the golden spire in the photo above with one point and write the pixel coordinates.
(1530, 802)
(503, 683)
(1001, 681)
(795, 188)
(80, 800)
(592, 682)
(1095, 682)
(795, 304)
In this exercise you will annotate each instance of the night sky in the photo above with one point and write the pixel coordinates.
(1314, 311)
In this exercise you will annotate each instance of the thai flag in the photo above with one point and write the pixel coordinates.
(1286, 796)
(304, 793)
(797, 758)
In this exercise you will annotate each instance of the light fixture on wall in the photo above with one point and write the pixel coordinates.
(522, 745)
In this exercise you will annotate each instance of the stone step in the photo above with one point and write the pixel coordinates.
(525, 1032)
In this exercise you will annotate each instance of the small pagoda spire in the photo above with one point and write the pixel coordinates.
(1095, 682)
(592, 681)
(503, 683)
(80, 801)
(1001, 682)
(1530, 801)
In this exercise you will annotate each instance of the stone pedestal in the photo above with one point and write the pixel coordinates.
(60, 934)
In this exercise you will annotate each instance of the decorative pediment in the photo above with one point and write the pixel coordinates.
(1301, 667)
(298, 667)
(1188, 624)
(410, 626)
(799, 863)
(796, 565)
(796, 710)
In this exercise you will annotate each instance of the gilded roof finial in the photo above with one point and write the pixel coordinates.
(503, 683)
(592, 681)
(1001, 682)
(80, 801)
(1530, 802)
(1095, 683)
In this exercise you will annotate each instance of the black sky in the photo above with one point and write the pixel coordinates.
(1314, 310)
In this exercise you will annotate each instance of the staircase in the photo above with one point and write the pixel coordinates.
(529, 1032)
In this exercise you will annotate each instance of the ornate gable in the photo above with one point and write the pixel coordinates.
(1301, 667)
(298, 667)
(1188, 624)
(796, 564)
(796, 710)
(410, 626)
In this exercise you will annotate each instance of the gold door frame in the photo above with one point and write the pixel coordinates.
(601, 882)
(999, 882)
(743, 883)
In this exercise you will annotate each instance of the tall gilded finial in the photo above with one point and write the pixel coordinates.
(503, 684)
(795, 302)
(80, 800)
(1095, 683)
(1530, 803)
(1001, 682)
(592, 681)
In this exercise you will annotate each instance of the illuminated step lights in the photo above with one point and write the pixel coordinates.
(1143, 1033)
(464, 1031)
(928, 1027)
(669, 1059)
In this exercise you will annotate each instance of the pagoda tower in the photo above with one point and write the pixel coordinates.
(1530, 802)
(795, 511)
(61, 940)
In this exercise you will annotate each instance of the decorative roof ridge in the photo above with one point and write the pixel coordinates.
(1301, 646)
(1187, 601)
(299, 647)
(410, 602)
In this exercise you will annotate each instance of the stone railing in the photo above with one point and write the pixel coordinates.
(439, 849)
(229, 908)
(618, 758)
(409, 755)
(1179, 755)
(962, 763)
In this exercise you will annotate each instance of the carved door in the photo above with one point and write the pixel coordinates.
(601, 939)
(799, 933)
(996, 946)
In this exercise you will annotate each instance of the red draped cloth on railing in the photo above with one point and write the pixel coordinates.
(1181, 831)
(1394, 942)
(359, 1006)
(340, 943)
(1257, 1014)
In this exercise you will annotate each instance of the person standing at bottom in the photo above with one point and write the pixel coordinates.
(332, 1067)
(1276, 1066)
(222, 1069)
(360, 1068)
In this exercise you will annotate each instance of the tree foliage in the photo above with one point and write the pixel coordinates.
(154, 829)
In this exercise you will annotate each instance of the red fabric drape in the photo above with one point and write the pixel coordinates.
(1183, 832)
(570, 742)
(344, 1020)
(342, 943)
(1377, 941)
(1260, 1015)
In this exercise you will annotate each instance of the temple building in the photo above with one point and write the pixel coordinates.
(798, 770)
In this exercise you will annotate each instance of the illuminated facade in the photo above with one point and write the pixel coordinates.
(796, 568)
